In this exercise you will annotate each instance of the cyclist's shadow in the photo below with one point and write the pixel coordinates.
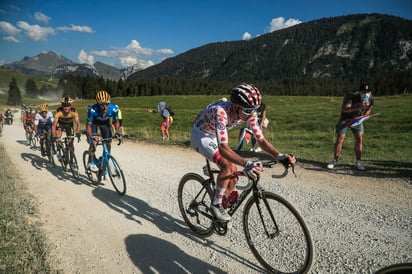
(40, 163)
(134, 209)
(155, 255)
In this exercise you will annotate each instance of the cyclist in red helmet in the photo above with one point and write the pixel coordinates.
(210, 138)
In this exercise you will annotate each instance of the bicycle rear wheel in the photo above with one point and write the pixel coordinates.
(195, 197)
(74, 167)
(90, 174)
(61, 156)
(116, 175)
(277, 234)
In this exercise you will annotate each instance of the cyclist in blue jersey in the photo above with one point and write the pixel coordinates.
(98, 116)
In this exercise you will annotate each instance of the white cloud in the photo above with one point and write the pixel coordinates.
(246, 36)
(164, 51)
(128, 61)
(280, 23)
(8, 28)
(42, 17)
(11, 39)
(135, 47)
(35, 32)
(85, 58)
(76, 28)
(133, 53)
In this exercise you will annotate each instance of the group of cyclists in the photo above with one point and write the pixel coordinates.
(99, 116)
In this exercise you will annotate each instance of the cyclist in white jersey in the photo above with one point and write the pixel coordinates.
(210, 138)
(43, 122)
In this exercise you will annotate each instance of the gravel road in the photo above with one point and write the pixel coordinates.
(359, 223)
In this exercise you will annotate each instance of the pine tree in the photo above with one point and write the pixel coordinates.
(14, 98)
(31, 88)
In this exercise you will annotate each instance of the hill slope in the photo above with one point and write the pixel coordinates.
(337, 47)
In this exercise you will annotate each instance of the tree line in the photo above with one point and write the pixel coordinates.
(86, 87)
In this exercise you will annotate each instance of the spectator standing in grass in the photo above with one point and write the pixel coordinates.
(354, 104)
(167, 121)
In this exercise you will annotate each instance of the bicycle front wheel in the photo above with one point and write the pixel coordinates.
(90, 174)
(74, 167)
(195, 197)
(32, 140)
(49, 151)
(116, 175)
(277, 234)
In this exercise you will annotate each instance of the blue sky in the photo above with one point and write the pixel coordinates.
(123, 33)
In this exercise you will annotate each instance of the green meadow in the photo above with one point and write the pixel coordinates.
(302, 125)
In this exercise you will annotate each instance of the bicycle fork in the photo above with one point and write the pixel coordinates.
(259, 197)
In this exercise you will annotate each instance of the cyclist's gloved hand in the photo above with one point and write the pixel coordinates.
(287, 160)
(91, 140)
(118, 135)
(78, 134)
(253, 169)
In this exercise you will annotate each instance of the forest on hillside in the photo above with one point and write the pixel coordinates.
(86, 87)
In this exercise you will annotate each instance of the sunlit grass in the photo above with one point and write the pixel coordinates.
(302, 125)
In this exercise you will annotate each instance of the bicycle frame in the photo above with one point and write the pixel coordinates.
(107, 163)
(245, 193)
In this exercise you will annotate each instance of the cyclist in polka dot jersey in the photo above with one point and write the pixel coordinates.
(210, 138)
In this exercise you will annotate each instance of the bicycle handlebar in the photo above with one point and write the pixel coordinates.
(105, 140)
(61, 139)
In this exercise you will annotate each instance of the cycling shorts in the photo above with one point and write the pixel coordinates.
(68, 128)
(105, 130)
(42, 128)
(205, 144)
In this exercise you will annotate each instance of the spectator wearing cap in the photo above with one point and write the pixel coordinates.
(354, 104)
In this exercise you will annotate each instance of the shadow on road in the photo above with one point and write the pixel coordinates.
(135, 210)
(374, 169)
(154, 255)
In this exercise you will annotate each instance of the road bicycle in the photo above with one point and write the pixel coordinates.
(107, 165)
(275, 231)
(66, 156)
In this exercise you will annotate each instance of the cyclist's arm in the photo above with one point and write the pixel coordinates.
(227, 153)
(116, 125)
(269, 148)
(89, 129)
(53, 127)
(78, 125)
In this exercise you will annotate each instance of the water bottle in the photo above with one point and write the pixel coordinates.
(233, 197)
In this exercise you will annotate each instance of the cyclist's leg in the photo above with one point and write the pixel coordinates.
(208, 147)
(92, 147)
(106, 132)
(68, 128)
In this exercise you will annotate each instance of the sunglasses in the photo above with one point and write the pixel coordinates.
(248, 111)
(104, 105)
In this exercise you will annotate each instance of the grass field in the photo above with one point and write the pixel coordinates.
(22, 244)
(302, 125)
